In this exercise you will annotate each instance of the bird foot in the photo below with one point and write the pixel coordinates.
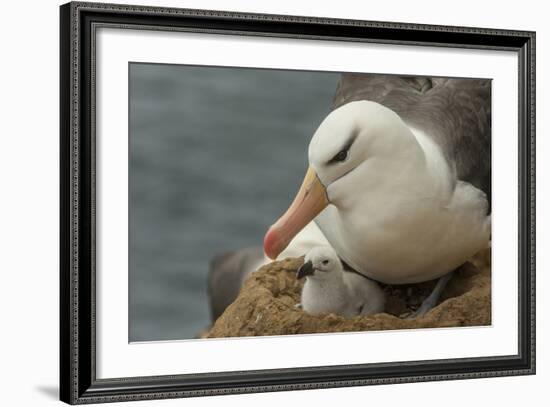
(424, 308)
(431, 301)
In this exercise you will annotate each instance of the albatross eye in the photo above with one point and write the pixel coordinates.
(325, 262)
(341, 156)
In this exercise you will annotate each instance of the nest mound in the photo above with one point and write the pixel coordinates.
(266, 304)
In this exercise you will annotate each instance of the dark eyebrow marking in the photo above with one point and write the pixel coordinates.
(344, 149)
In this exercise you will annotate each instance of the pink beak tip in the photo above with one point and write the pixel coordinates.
(270, 243)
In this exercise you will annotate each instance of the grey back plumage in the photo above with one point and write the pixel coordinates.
(455, 113)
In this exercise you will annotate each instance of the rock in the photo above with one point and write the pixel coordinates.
(266, 304)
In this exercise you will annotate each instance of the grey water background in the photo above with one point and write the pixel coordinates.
(216, 155)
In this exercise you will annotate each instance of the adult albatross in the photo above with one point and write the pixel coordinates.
(399, 184)
(398, 179)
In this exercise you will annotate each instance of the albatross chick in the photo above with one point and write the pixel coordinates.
(329, 288)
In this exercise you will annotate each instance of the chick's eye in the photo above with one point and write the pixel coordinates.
(325, 262)
(341, 156)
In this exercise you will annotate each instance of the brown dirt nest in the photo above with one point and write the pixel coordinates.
(267, 300)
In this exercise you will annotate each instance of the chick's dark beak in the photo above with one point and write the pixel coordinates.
(306, 270)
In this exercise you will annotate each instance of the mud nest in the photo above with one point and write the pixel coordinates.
(267, 302)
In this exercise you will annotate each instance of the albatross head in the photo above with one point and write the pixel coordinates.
(321, 263)
(356, 148)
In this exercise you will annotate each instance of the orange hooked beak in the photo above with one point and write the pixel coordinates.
(310, 200)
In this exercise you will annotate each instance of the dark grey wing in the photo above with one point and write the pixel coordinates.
(455, 113)
(226, 276)
(379, 88)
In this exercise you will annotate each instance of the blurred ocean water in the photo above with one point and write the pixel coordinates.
(216, 155)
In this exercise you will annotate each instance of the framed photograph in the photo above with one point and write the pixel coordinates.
(255, 203)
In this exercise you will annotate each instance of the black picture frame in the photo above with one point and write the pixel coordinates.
(78, 382)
